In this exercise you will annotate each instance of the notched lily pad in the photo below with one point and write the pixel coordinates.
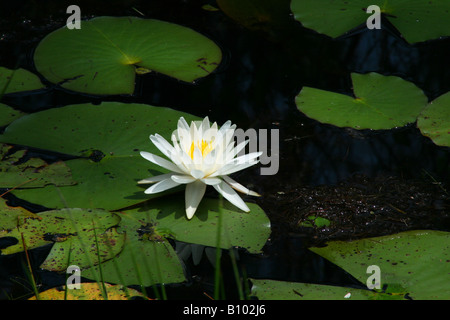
(32, 173)
(104, 56)
(265, 289)
(80, 237)
(379, 102)
(412, 262)
(416, 20)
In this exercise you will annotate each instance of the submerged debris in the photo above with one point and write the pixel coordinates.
(360, 207)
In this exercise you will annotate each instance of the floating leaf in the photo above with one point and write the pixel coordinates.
(315, 221)
(31, 173)
(18, 80)
(281, 290)
(80, 237)
(146, 259)
(108, 137)
(102, 56)
(249, 230)
(380, 102)
(434, 121)
(415, 261)
(89, 291)
(8, 114)
(416, 20)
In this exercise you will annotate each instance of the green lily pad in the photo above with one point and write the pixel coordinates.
(380, 102)
(12, 81)
(416, 20)
(413, 262)
(434, 121)
(315, 221)
(32, 173)
(80, 237)
(108, 137)
(246, 230)
(146, 259)
(8, 114)
(104, 56)
(265, 289)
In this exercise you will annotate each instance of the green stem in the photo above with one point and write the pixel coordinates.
(217, 275)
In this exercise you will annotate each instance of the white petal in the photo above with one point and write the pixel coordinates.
(184, 137)
(194, 194)
(232, 168)
(228, 193)
(212, 181)
(183, 124)
(239, 187)
(210, 163)
(229, 134)
(211, 133)
(197, 174)
(239, 147)
(198, 158)
(247, 157)
(161, 186)
(156, 178)
(161, 162)
(205, 125)
(193, 132)
(186, 161)
(225, 127)
(165, 147)
(183, 179)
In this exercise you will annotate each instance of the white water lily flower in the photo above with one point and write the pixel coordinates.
(201, 155)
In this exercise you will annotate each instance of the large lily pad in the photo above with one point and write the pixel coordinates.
(434, 121)
(265, 289)
(380, 102)
(12, 81)
(414, 262)
(108, 137)
(104, 56)
(146, 259)
(416, 20)
(246, 230)
(31, 173)
(80, 236)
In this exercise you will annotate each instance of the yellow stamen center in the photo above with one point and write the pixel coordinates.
(204, 146)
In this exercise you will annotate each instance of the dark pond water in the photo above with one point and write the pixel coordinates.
(264, 67)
